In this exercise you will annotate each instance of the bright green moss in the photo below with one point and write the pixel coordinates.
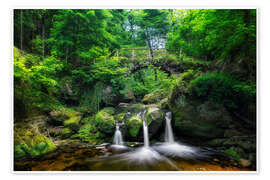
(27, 142)
(105, 120)
(134, 125)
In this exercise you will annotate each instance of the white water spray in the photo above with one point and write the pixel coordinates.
(145, 130)
(118, 139)
(168, 130)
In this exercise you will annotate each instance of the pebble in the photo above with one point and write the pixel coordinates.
(244, 162)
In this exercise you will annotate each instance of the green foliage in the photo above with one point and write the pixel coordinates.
(234, 152)
(28, 142)
(35, 81)
(214, 33)
(106, 69)
(96, 97)
(223, 89)
(144, 82)
(95, 128)
(88, 133)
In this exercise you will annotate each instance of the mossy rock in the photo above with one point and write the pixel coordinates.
(200, 120)
(73, 123)
(154, 114)
(65, 133)
(136, 108)
(216, 142)
(235, 152)
(150, 98)
(164, 103)
(105, 121)
(59, 116)
(120, 117)
(154, 97)
(134, 124)
(109, 110)
(28, 142)
(66, 117)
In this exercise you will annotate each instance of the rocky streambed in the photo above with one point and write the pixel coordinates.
(73, 139)
(77, 156)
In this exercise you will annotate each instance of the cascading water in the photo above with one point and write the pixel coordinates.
(168, 131)
(175, 149)
(145, 130)
(118, 139)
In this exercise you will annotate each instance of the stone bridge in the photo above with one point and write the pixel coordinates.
(141, 58)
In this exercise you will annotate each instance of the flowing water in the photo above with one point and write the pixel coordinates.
(168, 130)
(145, 130)
(118, 139)
(99, 158)
(167, 156)
(177, 149)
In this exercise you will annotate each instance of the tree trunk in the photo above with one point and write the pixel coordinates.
(21, 35)
(43, 39)
(43, 34)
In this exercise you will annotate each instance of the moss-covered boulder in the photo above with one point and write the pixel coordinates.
(67, 117)
(154, 118)
(134, 124)
(29, 142)
(200, 120)
(120, 117)
(65, 133)
(136, 108)
(154, 97)
(105, 120)
(58, 116)
(73, 121)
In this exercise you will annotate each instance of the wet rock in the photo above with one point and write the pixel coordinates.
(163, 104)
(129, 96)
(136, 108)
(105, 120)
(204, 121)
(120, 117)
(134, 124)
(123, 105)
(154, 97)
(244, 162)
(154, 117)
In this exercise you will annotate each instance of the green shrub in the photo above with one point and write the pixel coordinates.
(222, 89)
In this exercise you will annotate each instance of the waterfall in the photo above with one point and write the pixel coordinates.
(168, 130)
(145, 130)
(118, 140)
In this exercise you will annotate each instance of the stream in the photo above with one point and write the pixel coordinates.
(120, 156)
(127, 158)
